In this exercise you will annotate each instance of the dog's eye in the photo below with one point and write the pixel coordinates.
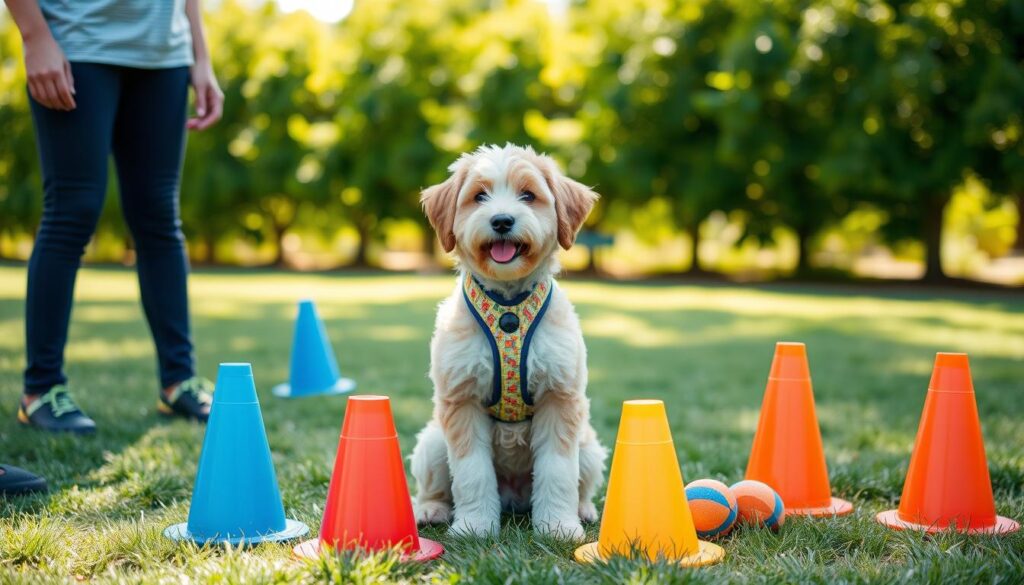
(527, 196)
(480, 197)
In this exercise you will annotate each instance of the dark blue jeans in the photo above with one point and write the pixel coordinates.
(138, 115)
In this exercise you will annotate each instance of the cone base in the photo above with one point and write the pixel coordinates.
(292, 529)
(1002, 527)
(838, 507)
(707, 554)
(429, 550)
(342, 386)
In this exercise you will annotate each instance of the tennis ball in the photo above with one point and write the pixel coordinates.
(712, 506)
(758, 504)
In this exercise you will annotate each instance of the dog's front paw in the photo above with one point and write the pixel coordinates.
(432, 512)
(474, 525)
(569, 528)
(588, 512)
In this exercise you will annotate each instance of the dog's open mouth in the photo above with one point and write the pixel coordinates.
(505, 251)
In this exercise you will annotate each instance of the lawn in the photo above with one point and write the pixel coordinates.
(705, 350)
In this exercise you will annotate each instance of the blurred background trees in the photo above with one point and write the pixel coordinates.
(753, 138)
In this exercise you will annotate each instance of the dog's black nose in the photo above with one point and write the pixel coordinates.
(502, 223)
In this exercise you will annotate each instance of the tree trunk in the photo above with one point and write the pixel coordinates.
(195, 243)
(211, 250)
(280, 230)
(934, 208)
(209, 255)
(1018, 246)
(278, 260)
(362, 251)
(693, 230)
(803, 240)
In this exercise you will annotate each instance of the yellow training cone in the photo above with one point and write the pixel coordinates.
(645, 509)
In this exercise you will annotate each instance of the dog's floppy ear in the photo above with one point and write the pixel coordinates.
(440, 201)
(573, 202)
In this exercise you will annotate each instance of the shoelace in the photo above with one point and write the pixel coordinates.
(60, 401)
(198, 388)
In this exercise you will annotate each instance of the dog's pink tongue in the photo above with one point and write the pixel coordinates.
(503, 251)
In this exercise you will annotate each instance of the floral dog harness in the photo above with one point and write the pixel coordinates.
(508, 325)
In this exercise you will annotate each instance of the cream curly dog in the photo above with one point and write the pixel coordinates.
(511, 426)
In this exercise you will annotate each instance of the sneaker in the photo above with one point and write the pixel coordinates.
(56, 411)
(190, 399)
(15, 481)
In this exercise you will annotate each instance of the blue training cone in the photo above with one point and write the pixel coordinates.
(235, 499)
(314, 370)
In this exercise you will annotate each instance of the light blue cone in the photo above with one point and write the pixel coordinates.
(235, 498)
(314, 370)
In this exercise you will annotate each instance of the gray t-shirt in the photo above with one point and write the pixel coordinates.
(148, 34)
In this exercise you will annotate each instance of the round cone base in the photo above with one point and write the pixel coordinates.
(838, 507)
(707, 554)
(429, 550)
(342, 386)
(1002, 527)
(292, 529)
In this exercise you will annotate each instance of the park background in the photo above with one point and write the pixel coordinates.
(801, 141)
(807, 138)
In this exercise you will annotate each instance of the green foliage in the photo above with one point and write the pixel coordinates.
(786, 115)
(948, 68)
(19, 167)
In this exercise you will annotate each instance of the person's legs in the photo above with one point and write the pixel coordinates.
(74, 148)
(148, 146)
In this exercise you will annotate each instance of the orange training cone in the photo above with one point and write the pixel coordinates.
(947, 486)
(368, 505)
(787, 452)
(645, 508)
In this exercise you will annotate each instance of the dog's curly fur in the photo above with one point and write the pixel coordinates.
(468, 467)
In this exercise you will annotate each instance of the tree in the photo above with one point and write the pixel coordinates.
(393, 63)
(21, 187)
(216, 189)
(775, 121)
(650, 122)
(995, 120)
(939, 58)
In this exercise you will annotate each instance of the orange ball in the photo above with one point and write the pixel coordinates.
(712, 506)
(758, 504)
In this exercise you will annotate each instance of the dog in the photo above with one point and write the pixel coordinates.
(511, 423)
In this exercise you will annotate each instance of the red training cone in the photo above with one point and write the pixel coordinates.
(947, 485)
(368, 505)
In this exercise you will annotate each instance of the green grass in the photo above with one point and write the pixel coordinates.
(704, 350)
